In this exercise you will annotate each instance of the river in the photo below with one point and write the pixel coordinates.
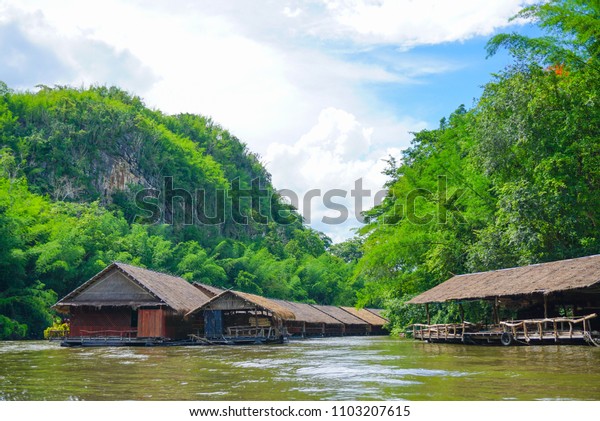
(351, 368)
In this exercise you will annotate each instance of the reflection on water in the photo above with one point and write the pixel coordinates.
(379, 368)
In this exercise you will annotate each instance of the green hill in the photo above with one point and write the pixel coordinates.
(89, 176)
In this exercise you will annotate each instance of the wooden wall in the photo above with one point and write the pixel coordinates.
(176, 327)
(117, 321)
(301, 328)
(105, 321)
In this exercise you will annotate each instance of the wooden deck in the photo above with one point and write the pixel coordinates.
(91, 341)
(561, 330)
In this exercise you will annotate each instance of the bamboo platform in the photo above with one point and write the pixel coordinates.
(560, 330)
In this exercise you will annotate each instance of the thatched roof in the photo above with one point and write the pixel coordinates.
(543, 278)
(366, 315)
(307, 313)
(340, 314)
(208, 290)
(120, 284)
(235, 300)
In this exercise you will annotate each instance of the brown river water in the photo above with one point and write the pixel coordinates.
(351, 368)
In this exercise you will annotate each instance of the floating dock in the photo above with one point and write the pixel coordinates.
(560, 330)
(193, 340)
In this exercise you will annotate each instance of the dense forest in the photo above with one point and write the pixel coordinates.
(73, 164)
(512, 181)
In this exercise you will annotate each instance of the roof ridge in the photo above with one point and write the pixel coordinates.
(149, 270)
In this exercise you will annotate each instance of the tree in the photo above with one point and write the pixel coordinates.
(520, 172)
(573, 28)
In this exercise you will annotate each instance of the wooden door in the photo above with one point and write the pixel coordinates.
(151, 323)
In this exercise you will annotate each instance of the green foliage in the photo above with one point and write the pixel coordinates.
(573, 28)
(57, 330)
(436, 204)
(27, 307)
(11, 329)
(71, 162)
(349, 251)
(513, 181)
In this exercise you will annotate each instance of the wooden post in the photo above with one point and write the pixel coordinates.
(545, 309)
(427, 311)
(496, 317)
(462, 312)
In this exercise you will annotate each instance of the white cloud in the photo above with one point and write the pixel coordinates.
(335, 154)
(34, 52)
(409, 23)
(292, 13)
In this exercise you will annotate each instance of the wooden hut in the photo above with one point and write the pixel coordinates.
(353, 326)
(239, 317)
(376, 322)
(310, 322)
(125, 303)
(129, 305)
(555, 295)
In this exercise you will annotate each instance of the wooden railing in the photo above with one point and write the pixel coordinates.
(441, 331)
(549, 327)
(125, 334)
(558, 329)
(250, 331)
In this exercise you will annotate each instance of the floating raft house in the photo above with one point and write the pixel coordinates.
(125, 305)
(310, 322)
(352, 325)
(234, 317)
(128, 305)
(555, 302)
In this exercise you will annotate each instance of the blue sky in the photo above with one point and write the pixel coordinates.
(323, 90)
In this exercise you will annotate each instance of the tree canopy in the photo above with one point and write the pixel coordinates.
(512, 181)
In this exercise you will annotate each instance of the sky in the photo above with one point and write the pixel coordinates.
(324, 90)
